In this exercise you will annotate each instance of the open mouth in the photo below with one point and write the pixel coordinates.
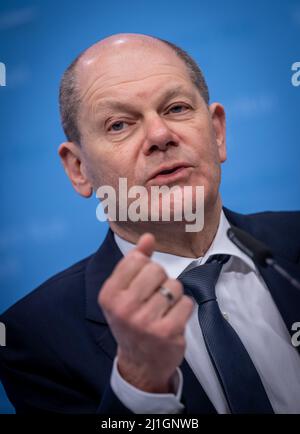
(167, 172)
(170, 174)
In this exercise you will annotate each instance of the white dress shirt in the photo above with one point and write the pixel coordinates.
(246, 302)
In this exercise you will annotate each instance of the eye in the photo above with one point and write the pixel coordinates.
(117, 126)
(178, 108)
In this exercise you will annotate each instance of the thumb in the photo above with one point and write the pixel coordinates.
(146, 244)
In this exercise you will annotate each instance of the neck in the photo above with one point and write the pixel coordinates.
(172, 237)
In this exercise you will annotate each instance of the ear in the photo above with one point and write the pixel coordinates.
(72, 160)
(217, 113)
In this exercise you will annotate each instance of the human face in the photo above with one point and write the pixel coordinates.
(140, 113)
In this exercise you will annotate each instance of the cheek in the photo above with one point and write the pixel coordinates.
(202, 147)
(196, 130)
(107, 167)
(201, 142)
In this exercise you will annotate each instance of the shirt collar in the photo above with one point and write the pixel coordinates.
(174, 265)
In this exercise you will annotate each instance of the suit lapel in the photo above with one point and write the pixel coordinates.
(98, 269)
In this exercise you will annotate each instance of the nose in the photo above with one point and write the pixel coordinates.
(158, 135)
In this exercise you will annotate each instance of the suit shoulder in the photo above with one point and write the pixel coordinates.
(284, 224)
(61, 287)
(290, 220)
(280, 230)
(277, 217)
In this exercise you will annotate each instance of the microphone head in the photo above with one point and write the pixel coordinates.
(254, 248)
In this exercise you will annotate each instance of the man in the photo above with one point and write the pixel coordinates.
(118, 332)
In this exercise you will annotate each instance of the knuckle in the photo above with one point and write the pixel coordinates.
(158, 270)
(137, 256)
(176, 287)
(107, 286)
(121, 311)
(188, 303)
(103, 296)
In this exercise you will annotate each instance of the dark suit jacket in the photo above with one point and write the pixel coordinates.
(60, 350)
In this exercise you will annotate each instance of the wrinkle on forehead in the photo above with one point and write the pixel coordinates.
(104, 85)
(100, 98)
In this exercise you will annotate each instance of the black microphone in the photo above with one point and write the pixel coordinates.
(258, 252)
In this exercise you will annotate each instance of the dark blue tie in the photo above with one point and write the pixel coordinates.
(240, 381)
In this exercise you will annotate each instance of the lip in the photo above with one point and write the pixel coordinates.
(181, 170)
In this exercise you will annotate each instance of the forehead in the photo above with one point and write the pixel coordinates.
(124, 69)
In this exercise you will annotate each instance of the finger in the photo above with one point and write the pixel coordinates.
(127, 269)
(147, 281)
(157, 305)
(133, 262)
(178, 315)
(146, 244)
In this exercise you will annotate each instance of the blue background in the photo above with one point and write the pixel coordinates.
(246, 50)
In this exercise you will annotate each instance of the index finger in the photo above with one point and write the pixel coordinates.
(129, 266)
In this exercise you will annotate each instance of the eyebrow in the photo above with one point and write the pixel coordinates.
(177, 91)
(127, 106)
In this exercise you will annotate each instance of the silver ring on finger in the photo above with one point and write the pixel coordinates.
(168, 294)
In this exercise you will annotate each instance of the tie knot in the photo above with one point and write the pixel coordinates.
(200, 282)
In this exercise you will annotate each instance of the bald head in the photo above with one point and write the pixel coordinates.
(78, 79)
(116, 43)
